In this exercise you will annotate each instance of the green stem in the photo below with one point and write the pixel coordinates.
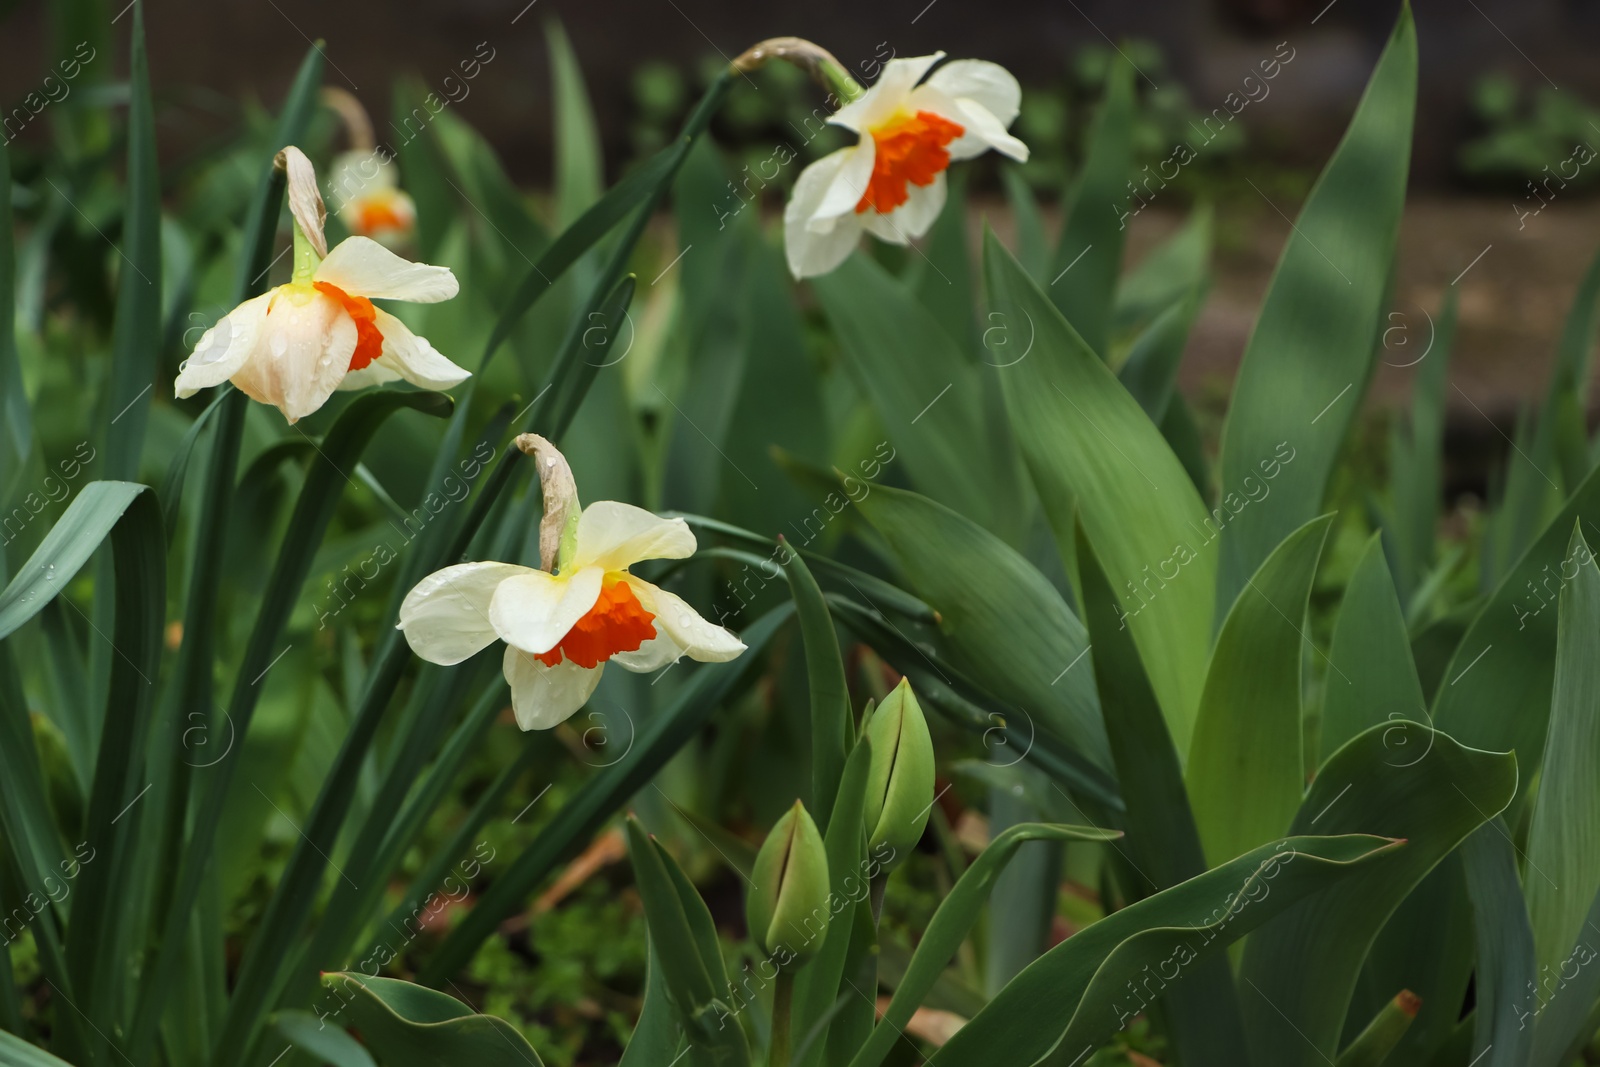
(782, 1003)
(879, 884)
(305, 258)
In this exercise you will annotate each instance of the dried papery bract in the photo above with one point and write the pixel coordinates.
(809, 57)
(305, 199)
(561, 507)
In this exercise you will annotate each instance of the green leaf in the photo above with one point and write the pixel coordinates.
(1151, 370)
(948, 928)
(1373, 678)
(638, 193)
(942, 275)
(659, 738)
(324, 484)
(1374, 1044)
(96, 938)
(311, 1035)
(666, 912)
(136, 340)
(832, 725)
(1086, 441)
(1006, 625)
(170, 492)
(98, 507)
(16, 417)
(1173, 270)
(1309, 359)
(656, 1032)
(1089, 254)
(1245, 772)
(929, 396)
(15, 1052)
(1416, 458)
(1080, 992)
(1495, 692)
(409, 1025)
(1032, 250)
(1162, 847)
(1299, 972)
(1563, 853)
(579, 168)
(1504, 936)
(820, 983)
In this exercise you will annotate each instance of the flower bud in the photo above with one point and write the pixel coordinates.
(900, 776)
(787, 910)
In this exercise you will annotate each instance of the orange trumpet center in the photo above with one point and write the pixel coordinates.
(369, 342)
(909, 148)
(616, 623)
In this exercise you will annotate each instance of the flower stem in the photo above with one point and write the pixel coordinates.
(782, 1001)
(305, 257)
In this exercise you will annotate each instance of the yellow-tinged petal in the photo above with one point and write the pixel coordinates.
(886, 96)
(614, 536)
(301, 354)
(534, 610)
(363, 267)
(223, 348)
(446, 617)
(543, 697)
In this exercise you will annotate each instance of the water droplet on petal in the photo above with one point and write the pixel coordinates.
(279, 344)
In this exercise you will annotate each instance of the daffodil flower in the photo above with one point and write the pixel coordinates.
(564, 623)
(892, 182)
(294, 345)
(370, 200)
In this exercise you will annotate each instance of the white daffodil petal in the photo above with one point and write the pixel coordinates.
(446, 616)
(654, 654)
(614, 536)
(912, 218)
(413, 358)
(809, 252)
(534, 610)
(223, 348)
(981, 130)
(374, 373)
(302, 354)
(543, 697)
(674, 618)
(886, 95)
(989, 85)
(845, 187)
(363, 267)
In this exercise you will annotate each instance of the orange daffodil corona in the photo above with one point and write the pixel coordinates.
(891, 184)
(294, 345)
(563, 623)
(370, 200)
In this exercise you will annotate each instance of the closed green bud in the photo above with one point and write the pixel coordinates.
(900, 777)
(787, 909)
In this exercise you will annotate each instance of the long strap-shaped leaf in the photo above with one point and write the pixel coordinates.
(192, 690)
(96, 938)
(831, 725)
(949, 926)
(1162, 847)
(136, 339)
(666, 732)
(1502, 1036)
(1085, 984)
(1311, 354)
(1298, 975)
(319, 496)
(98, 511)
(1095, 457)
(1245, 772)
